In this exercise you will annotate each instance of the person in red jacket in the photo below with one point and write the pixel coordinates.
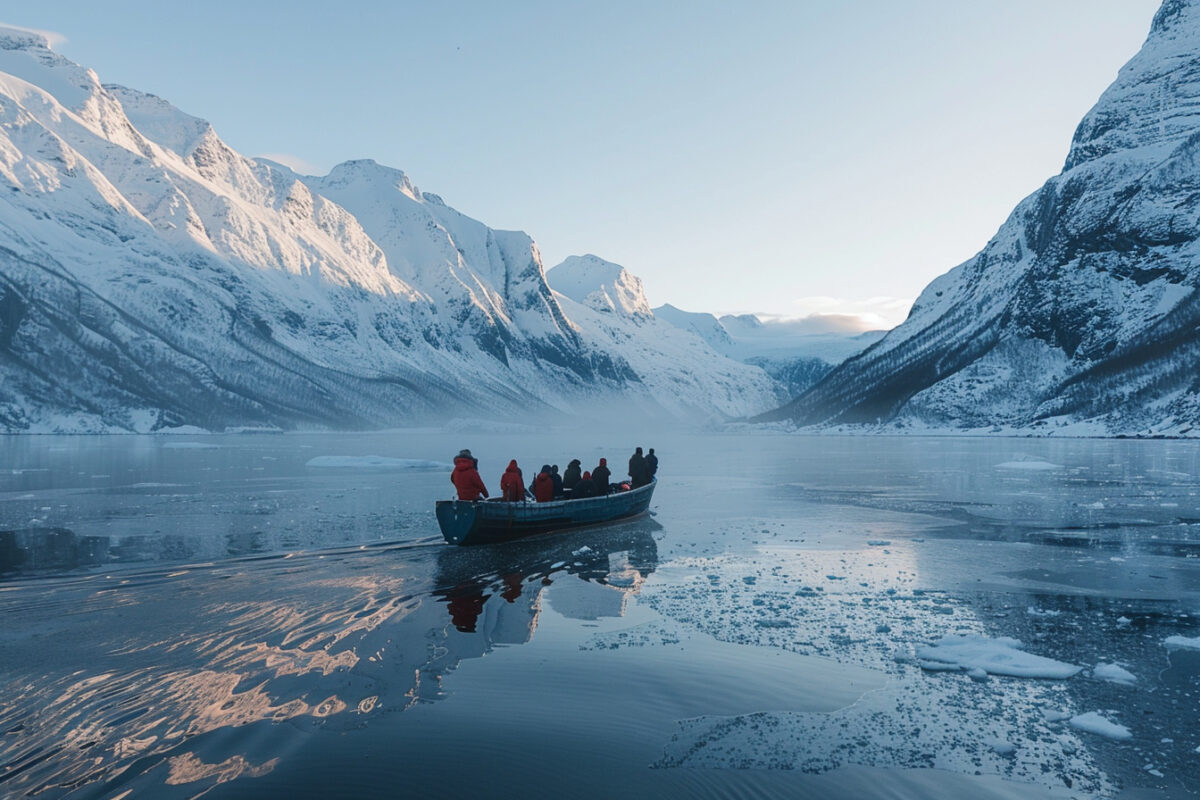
(543, 485)
(465, 477)
(512, 483)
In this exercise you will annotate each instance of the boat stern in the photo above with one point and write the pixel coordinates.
(457, 519)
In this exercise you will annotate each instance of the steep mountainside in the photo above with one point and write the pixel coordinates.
(151, 276)
(1082, 313)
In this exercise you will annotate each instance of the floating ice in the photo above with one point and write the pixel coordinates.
(374, 462)
(999, 656)
(1003, 748)
(1183, 642)
(1031, 465)
(1113, 673)
(1092, 722)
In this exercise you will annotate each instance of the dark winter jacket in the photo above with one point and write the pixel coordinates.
(585, 488)
(466, 479)
(637, 469)
(651, 464)
(512, 483)
(558, 481)
(601, 475)
(571, 476)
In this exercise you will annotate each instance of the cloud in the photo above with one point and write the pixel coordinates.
(294, 163)
(821, 314)
(53, 37)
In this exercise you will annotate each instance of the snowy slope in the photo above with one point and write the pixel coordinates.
(674, 365)
(794, 358)
(1082, 310)
(601, 285)
(151, 276)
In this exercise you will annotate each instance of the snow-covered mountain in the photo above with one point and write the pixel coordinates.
(1082, 313)
(602, 286)
(785, 351)
(674, 365)
(151, 276)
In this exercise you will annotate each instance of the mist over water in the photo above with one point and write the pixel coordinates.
(215, 613)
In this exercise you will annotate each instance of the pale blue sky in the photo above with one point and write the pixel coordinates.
(779, 157)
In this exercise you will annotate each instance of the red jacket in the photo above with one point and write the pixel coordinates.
(466, 479)
(512, 483)
(543, 487)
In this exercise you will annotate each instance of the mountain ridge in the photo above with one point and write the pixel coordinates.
(1081, 310)
(157, 278)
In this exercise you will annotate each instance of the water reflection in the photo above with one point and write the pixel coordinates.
(140, 669)
(616, 558)
(49, 549)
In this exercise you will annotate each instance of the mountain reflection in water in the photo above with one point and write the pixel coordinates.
(142, 681)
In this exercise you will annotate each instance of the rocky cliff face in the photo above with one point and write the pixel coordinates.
(1082, 313)
(151, 276)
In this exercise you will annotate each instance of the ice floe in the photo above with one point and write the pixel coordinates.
(1114, 674)
(374, 462)
(999, 656)
(1029, 465)
(1093, 722)
(1183, 642)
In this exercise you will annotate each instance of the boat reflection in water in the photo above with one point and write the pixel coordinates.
(496, 591)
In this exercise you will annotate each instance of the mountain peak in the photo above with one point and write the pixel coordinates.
(370, 172)
(601, 285)
(12, 38)
(1154, 98)
(158, 120)
(27, 54)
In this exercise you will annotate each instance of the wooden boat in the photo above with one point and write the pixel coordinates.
(484, 522)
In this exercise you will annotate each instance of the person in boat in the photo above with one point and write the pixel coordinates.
(572, 475)
(585, 488)
(651, 465)
(601, 476)
(512, 483)
(542, 487)
(558, 481)
(637, 469)
(465, 477)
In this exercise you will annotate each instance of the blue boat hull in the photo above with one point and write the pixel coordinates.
(466, 522)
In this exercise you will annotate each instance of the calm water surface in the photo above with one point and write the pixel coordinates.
(213, 615)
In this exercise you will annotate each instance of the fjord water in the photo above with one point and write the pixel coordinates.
(212, 614)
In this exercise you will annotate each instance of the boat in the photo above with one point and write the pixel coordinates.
(468, 522)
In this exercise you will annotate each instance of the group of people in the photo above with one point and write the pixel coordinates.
(548, 485)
